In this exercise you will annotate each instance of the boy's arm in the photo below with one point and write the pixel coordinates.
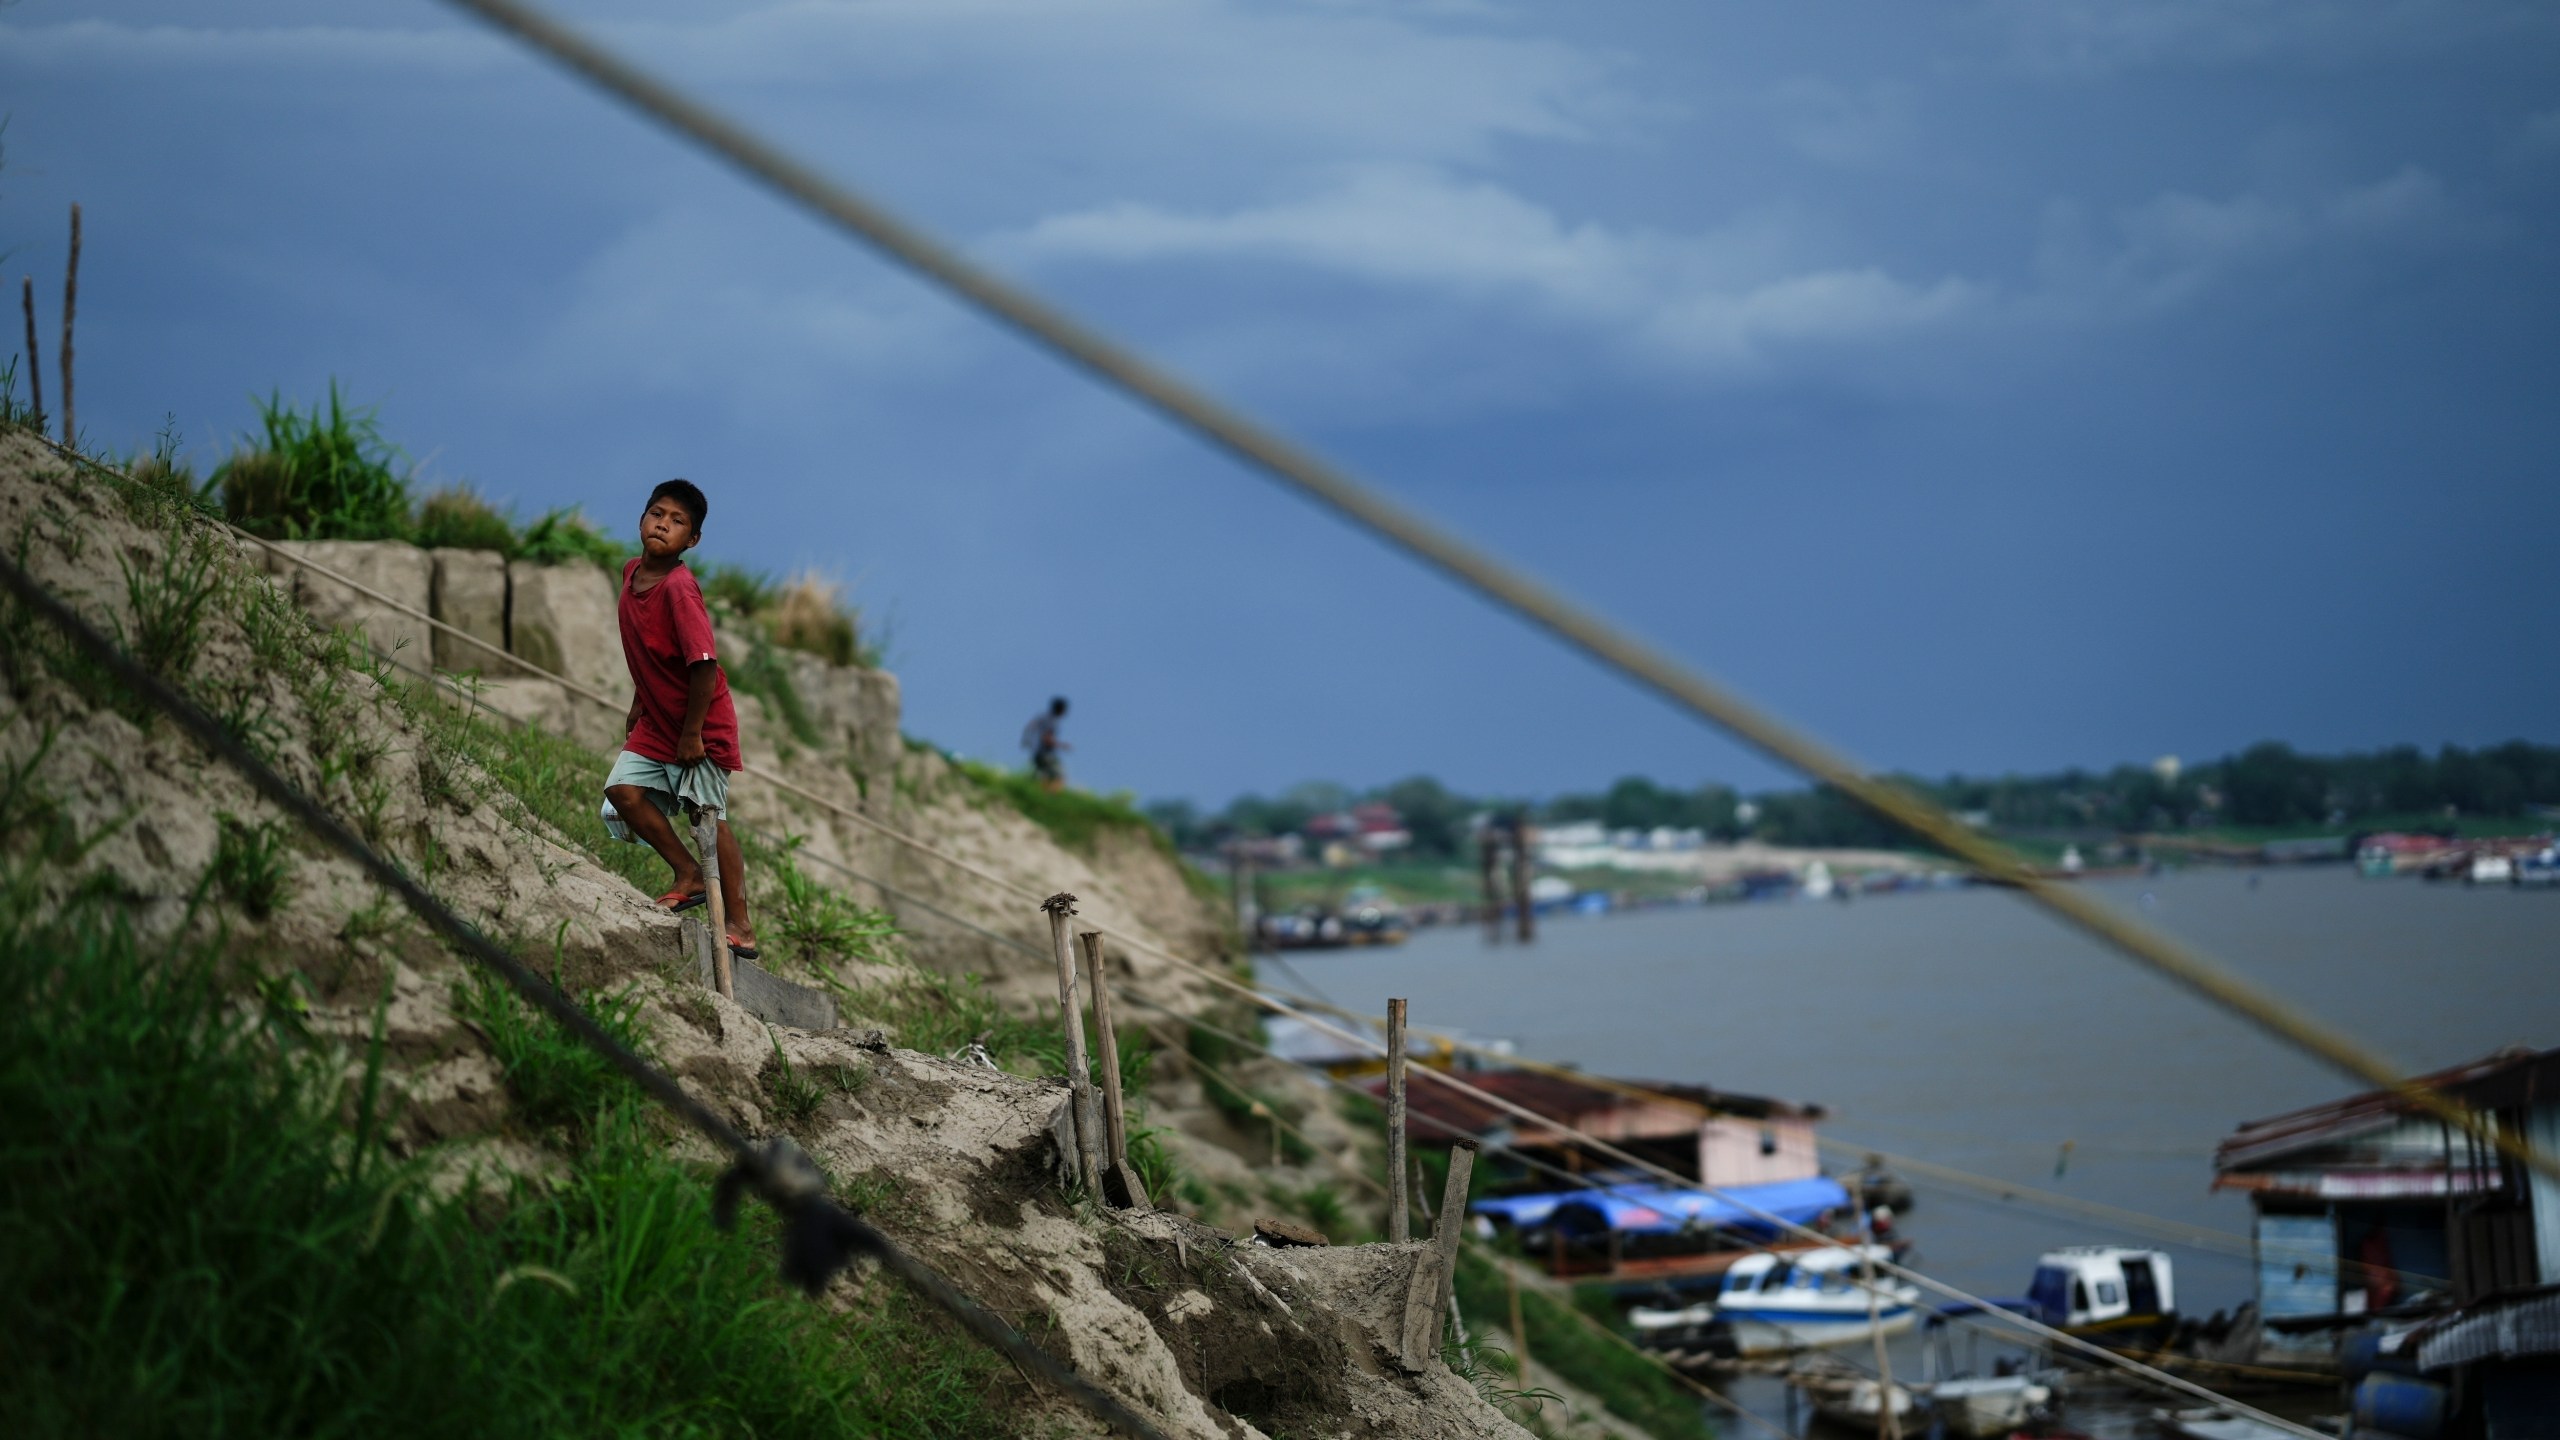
(701, 678)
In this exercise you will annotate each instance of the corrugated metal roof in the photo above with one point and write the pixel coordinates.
(2353, 1184)
(2337, 1121)
(2497, 1329)
(1574, 1103)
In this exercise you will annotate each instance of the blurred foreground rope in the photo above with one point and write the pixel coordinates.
(819, 1236)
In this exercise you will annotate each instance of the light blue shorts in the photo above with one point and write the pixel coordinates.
(669, 786)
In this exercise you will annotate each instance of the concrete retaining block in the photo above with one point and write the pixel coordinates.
(471, 596)
(561, 617)
(400, 571)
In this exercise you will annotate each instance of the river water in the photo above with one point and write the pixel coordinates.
(1967, 1028)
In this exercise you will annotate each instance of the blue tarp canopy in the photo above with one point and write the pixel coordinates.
(1661, 1210)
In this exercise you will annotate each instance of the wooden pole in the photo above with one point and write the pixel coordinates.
(1399, 1226)
(1079, 1077)
(35, 381)
(1523, 869)
(1430, 1293)
(1488, 858)
(1519, 1331)
(1240, 878)
(1121, 1188)
(1888, 1424)
(706, 841)
(70, 302)
(1451, 1224)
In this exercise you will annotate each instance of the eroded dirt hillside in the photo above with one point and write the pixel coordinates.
(955, 1159)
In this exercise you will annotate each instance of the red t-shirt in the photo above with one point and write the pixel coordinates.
(663, 634)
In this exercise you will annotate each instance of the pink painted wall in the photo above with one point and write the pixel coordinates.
(1729, 1151)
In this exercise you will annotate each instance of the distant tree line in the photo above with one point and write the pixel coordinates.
(2268, 785)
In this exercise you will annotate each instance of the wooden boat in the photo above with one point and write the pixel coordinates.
(2214, 1423)
(1987, 1405)
(1856, 1401)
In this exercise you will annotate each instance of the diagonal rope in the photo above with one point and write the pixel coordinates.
(820, 1237)
(1581, 629)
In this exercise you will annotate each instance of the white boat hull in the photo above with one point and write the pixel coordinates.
(1853, 1402)
(1987, 1407)
(1754, 1335)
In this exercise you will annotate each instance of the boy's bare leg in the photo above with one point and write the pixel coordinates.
(650, 823)
(733, 888)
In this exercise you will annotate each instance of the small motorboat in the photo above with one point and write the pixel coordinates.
(1772, 1304)
(2215, 1423)
(1988, 1405)
(1853, 1400)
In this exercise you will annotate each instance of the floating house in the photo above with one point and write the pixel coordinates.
(2415, 1257)
(1589, 1214)
(1713, 1137)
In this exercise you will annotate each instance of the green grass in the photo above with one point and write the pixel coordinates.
(1632, 1387)
(327, 475)
(1074, 818)
(203, 1232)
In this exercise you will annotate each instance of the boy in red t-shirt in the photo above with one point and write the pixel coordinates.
(683, 741)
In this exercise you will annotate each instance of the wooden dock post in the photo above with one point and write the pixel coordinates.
(1121, 1187)
(1428, 1295)
(1240, 883)
(1488, 859)
(1079, 1076)
(1523, 869)
(706, 839)
(1399, 1227)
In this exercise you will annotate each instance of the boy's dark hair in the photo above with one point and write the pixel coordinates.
(1058, 705)
(684, 493)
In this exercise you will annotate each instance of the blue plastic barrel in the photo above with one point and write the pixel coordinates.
(2401, 1404)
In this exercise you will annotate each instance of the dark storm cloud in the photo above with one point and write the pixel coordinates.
(2016, 384)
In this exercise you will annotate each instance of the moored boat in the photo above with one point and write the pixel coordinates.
(1772, 1304)
(1987, 1405)
(2112, 1294)
(1853, 1400)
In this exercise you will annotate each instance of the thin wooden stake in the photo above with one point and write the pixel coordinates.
(1429, 1292)
(1121, 1187)
(70, 302)
(35, 381)
(1399, 1225)
(1451, 1225)
(1079, 1078)
(706, 839)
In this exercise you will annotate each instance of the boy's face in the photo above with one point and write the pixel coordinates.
(666, 528)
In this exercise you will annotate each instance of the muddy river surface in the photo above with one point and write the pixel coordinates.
(1965, 1028)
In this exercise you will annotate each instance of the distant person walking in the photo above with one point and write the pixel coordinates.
(682, 744)
(1040, 737)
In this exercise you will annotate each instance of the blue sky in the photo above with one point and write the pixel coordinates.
(1986, 385)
